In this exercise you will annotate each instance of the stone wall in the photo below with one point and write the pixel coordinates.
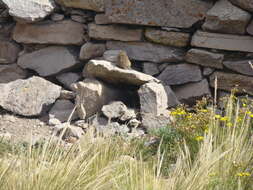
(186, 44)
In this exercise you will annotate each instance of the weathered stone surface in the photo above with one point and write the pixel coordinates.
(208, 71)
(143, 51)
(224, 17)
(151, 121)
(65, 32)
(250, 28)
(102, 19)
(8, 51)
(62, 109)
(177, 39)
(114, 32)
(191, 92)
(57, 17)
(92, 95)
(11, 72)
(153, 98)
(114, 110)
(242, 66)
(68, 78)
(150, 68)
(48, 61)
(172, 99)
(223, 41)
(244, 4)
(205, 58)
(228, 81)
(180, 74)
(180, 13)
(26, 97)
(92, 50)
(67, 95)
(95, 5)
(108, 72)
(29, 10)
(111, 55)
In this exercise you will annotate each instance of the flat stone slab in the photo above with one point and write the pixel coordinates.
(222, 41)
(244, 4)
(8, 51)
(108, 72)
(11, 72)
(28, 97)
(228, 81)
(179, 13)
(64, 32)
(95, 5)
(143, 51)
(241, 66)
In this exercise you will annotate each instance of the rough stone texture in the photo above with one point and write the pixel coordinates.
(180, 74)
(143, 51)
(68, 78)
(176, 39)
(150, 68)
(153, 98)
(114, 110)
(191, 92)
(65, 32)
(208, 71)
(172, 99)
(8, 51)
(102, 19)
(62, 109)
(108, 72)
(67, 95)
(228, 81)
(92, 95)
(244, 4)
(111, 55)
(114, 32)
(29, 10)
(242, 66)
(48, 61)
(222, 41)
(224, 17)
(180, 13)
(11, 72)
(95, 5)
(151, 122)
(26, 97)
(92, 50)
(205, 58)
(250, 28)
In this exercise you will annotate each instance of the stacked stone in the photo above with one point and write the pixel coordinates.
(185, 44)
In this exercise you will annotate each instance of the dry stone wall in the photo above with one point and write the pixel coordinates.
(176, 47)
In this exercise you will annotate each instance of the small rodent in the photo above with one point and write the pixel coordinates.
(123, 60)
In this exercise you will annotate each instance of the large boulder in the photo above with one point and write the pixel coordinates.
(8, 51)
(48, 61)
(244, 67)
(108, 72)
(95, 5)
(244, 4)
(179, 13)
(11, 72)
(28, 97)
(29, 10)
(224, 17)
(180, 74)
(143, 51)
(222, 41)
(228, 81)
(64, 32)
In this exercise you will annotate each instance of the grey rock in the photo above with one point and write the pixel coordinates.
(57, 17)
(191, 92)
(67, 95)
(250, 28)
(153, 98)
(64, 32)
(102, 19)
(143, 51)
(176, 39)
(150, 68)
(29, 10)
(222, 41)
(53, 121)
(8, 51)
(108, 72)
(241, 66)
(114, 32)
(111, 55)
(48, 61)
(244, 4)
(62, 109)
(208, 71)
(114, 110)
(228, 81)
(11, 72)
(26, 97)
(172, 99)
(128, 114)
(151, 121)
(68, 132)
(205, 58)
(78, 18)
(180, 74)
(224, 17)
(180, 13)
(95, 5)
(92, 50)
(134, 123)
(68, 78)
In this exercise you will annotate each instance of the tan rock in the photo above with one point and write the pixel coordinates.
(95, 5)
(8, 51)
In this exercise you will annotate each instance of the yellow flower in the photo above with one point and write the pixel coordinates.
(204, 110)
(243, 174)
(248, 112)
(251, 115)
(189, 116)
(229, 124)
(224, 118)
(212, 174)
(244, 105)
(199, 138)
(217, 116)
